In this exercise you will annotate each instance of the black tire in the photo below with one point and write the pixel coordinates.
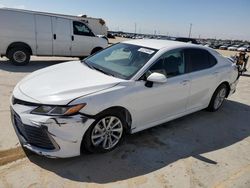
(212, 107)
(82, 57)
(87, 144)
(19, 56)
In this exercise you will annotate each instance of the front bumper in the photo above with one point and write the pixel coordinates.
(49, 135)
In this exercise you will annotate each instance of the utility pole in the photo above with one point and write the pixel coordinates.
(190, 30)
(135, 28)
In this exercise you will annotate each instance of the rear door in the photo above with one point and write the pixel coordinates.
(44, 35)
(204, 77)
(61, 36)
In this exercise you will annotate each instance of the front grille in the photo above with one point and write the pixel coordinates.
(36, 136)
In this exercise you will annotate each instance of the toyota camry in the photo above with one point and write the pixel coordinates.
(90, 105)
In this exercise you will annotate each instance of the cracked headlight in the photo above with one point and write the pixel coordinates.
(58, 110)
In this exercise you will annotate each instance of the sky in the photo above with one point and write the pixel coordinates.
(220, 19)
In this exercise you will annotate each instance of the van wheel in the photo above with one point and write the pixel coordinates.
(218, 98)
(19, 56)
(82, 57)
(95, 50)
(104, 134)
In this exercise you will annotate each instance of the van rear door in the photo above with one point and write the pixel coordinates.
(44, 35)
(61, 36)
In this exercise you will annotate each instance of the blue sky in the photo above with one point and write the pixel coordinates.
(226, 19)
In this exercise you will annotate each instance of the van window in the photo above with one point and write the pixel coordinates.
(81, 29)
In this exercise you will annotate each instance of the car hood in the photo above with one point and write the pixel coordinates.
(62, 83)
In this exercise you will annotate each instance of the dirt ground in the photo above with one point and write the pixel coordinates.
(199, 150)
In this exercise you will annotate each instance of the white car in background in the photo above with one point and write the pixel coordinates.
(64, 109)
(233, 48)
(243, 48)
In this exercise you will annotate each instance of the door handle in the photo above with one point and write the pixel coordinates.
(72, 38)
(54, 36)
(184, 82)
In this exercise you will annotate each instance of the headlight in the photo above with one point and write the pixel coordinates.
(58, 110)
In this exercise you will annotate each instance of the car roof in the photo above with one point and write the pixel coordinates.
(160, 44)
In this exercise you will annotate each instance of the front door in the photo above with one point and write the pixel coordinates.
(83, 39)
(162, 100)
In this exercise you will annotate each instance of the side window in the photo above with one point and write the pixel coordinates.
(199, 59)
(212, 60)
(80, 28)
(170, 64)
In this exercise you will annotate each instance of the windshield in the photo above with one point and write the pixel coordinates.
(121, 60)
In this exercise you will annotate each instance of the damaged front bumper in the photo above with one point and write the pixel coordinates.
(49, 135)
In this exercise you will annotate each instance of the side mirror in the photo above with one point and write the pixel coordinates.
(157, 78)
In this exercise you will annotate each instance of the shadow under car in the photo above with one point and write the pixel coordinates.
(155, 148)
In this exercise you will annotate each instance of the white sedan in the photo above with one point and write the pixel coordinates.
(243, 48)
(233, 48)
(65, 109)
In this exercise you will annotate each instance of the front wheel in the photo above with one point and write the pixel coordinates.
(104, 134)
(218, 98)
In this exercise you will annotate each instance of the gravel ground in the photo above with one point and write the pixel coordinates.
(199, 150)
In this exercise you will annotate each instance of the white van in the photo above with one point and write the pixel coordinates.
(25, 33)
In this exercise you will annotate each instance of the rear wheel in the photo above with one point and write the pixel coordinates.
(105, 133)
(19, 56)
(218, 98)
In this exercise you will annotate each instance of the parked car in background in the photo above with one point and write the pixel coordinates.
(224, 47)
(243, 48)
(208, 45)
(216, 46)
(110, 35)
(64, 109)
(25, 33)
(234, 47)
(183, 39)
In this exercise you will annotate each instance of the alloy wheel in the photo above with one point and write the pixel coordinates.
(107, 132)
(220, 97)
